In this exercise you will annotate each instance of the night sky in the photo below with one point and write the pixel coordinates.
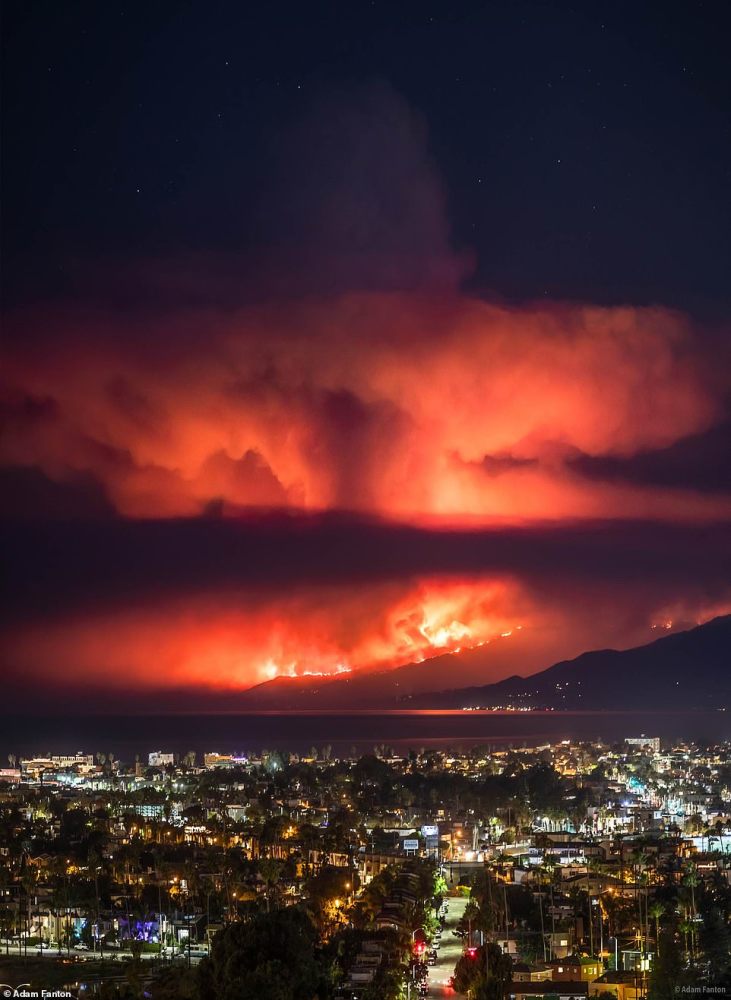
(339, 335)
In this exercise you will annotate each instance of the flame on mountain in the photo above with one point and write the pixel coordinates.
(441, 636)
(271, 670)
(242, 639)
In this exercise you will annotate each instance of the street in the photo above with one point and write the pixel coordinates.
(449, 952)
(111, 954)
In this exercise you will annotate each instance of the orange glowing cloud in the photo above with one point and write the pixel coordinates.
(391, 404)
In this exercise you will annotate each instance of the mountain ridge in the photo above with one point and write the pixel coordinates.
(391, 689)
(690, 668)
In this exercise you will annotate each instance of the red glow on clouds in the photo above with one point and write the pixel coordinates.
(402, 401)
(387, 404)
(451, 411)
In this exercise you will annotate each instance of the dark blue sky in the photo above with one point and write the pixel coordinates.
(583, 148)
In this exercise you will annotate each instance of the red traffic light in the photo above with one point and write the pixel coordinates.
(472, 952)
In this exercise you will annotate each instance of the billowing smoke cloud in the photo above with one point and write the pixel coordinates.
(344, 370)
(398, 405)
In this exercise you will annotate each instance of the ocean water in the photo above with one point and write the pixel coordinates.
(126, 736)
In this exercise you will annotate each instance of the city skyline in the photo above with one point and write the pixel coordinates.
(573, 868)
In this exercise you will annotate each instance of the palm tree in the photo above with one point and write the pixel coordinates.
(59, 898)
(710, 834)
(639, 861)
(96, 862)
(270, 871)
(5, 882)
(656, 911)
(469, 917)
(690, 879)
(686, 928)
(29, 878)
